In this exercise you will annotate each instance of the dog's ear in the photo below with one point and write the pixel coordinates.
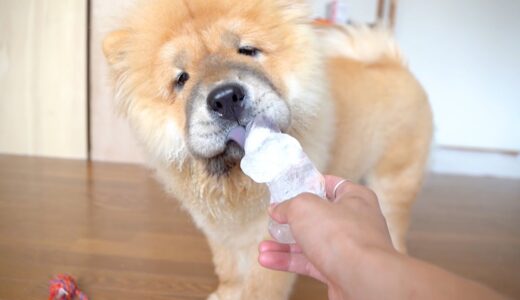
(114, 46)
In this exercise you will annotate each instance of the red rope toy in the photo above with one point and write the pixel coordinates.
(64, 287)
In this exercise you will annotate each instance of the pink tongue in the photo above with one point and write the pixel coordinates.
(238, 134)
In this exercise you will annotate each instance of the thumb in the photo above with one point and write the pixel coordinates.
(287, 211)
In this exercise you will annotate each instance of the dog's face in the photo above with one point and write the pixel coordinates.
(188, 72)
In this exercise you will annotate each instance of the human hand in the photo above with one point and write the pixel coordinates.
(332, 236)
(345, 244)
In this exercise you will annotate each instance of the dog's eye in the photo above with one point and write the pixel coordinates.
(249, 51)
(181, 80)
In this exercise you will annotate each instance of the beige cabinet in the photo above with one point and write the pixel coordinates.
(51, 103)
(43, 78)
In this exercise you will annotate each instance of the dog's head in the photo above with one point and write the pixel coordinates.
(188, 72)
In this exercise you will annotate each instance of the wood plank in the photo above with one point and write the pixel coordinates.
(43, 78)
(114, 228)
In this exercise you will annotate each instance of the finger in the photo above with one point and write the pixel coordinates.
(287, 211)
(273, 246)
(335, 184)
(290, 262)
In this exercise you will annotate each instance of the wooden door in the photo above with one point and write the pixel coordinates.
(43, 78)
(110, 135)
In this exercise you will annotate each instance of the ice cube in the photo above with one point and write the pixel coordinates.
(278, 160)
(268, 154)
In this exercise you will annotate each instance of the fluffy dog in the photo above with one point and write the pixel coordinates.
(187, 72)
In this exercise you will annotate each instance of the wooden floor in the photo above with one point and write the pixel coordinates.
(113, 228)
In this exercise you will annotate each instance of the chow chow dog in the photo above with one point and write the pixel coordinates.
(186, 73)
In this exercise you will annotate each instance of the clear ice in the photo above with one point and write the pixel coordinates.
(278, 160)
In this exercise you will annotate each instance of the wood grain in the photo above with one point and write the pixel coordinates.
(43, 78)
(113, 228)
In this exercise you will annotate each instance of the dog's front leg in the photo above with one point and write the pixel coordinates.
(240, 275)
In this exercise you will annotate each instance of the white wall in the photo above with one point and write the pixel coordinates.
(467, 55)
(474, 163)
(358, 10)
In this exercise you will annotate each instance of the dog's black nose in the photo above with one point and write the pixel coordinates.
(228, 101)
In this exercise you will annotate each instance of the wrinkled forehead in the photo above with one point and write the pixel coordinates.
(213, 23)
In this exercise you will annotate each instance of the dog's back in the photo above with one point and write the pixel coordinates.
(383, 119)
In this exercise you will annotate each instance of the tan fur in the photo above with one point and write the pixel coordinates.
(356, 109)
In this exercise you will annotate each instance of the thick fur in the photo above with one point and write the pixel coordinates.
(343, 92)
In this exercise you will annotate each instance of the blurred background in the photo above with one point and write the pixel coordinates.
(66, 207)
(55, 98)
